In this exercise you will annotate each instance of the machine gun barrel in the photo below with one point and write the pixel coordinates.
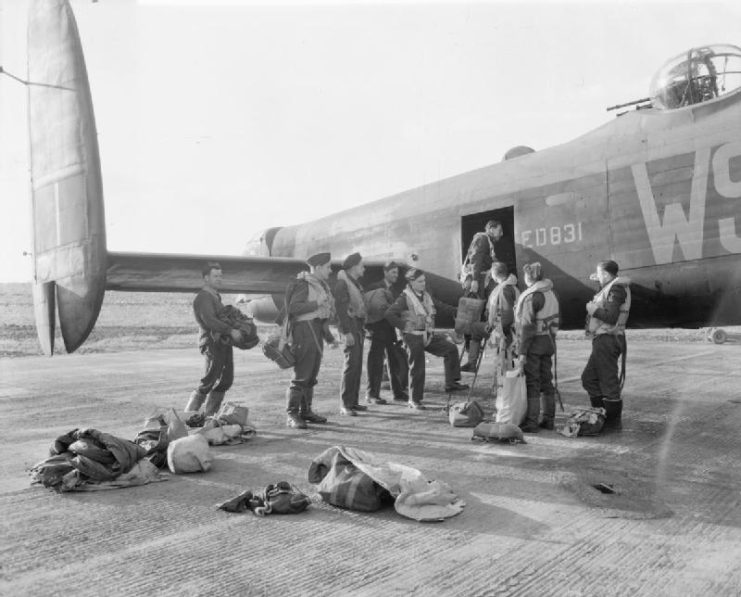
(633, 103)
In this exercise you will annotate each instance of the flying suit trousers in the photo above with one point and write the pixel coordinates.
(353, 370)
(438, 346)
(308, 347)
(600, 376)
(383, 340)
(219, 373)
(539, 378)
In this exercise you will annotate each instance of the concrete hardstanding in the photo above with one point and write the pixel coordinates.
(534, 524)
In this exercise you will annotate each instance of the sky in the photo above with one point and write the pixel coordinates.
(217, 120)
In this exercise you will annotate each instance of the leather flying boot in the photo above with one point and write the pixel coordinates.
(531, 416)
(375, 400)
(456, 386)
(474, 348)
(195, 401)
(295, 402)
(549, 411)
(213, 403)
(295, 421)
(529, 428)
(307, 414)
(613, 418)
(596, 402)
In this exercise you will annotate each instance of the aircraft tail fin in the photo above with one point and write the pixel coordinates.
(66, 186)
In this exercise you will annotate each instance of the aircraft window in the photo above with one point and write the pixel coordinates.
(699, 75)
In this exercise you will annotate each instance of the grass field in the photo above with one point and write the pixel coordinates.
(133, 320)
(128, 321)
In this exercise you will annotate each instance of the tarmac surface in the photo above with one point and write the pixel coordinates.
(534, 523)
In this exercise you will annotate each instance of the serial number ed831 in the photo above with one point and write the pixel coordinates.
(551, 235)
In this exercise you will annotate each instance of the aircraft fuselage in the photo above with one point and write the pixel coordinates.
(657, 191)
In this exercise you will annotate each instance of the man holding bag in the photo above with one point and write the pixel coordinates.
(383, 339)
(536, 323)
(218, 352)
(499, 316)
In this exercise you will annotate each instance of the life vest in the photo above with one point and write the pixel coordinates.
(496, 300)
(596, 326)
(467, 267)
(356, 307)
(548, 318)
(420, 316)
(319, 292)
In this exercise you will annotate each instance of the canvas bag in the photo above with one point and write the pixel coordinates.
(189, 454)
(278, 350)
(344, 485)
(465, 414)
(584, 421)
(233, 413)
(501, 432)
(511, 403)
(469, 312)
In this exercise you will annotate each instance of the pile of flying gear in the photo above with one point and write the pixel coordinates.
(89, 459)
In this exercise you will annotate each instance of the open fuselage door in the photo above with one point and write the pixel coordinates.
(504, 249)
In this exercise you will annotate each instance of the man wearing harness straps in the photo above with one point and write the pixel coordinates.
(351, 315)
(309, 307)
(480, 257)
(499, 316)
(536, 323)
(486, 249)
(414, 314)
(607, 315)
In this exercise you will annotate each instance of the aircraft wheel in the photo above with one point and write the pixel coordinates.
(719, 336)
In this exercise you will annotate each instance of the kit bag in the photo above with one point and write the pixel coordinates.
(189, 454)
(498, 432)
(469, 312)
(511, 403)
(278, 350)
(233, 317)
(249, 338)
(233, 413)
(343, 484)
(584, 421)
(466, 414)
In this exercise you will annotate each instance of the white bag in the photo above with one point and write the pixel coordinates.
(511, 401)
(189, 455)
